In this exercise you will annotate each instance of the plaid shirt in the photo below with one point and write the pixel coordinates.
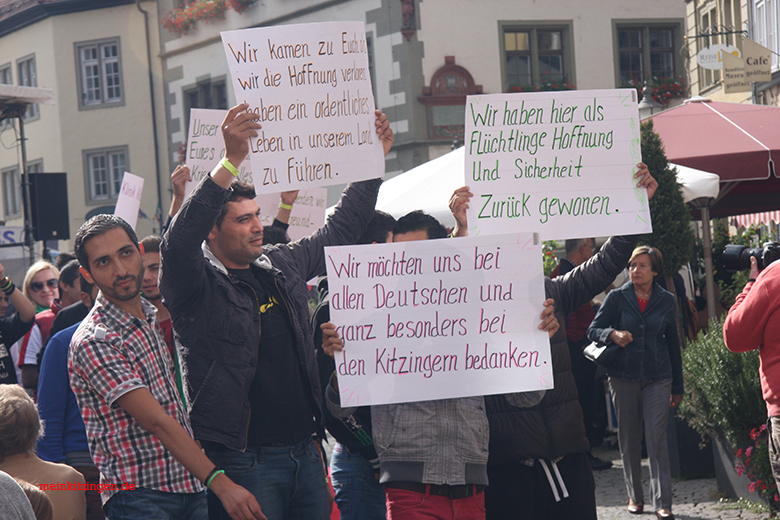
(111, 354)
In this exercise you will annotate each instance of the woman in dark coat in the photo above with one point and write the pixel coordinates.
(646, 379)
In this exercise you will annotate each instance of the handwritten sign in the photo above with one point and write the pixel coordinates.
(206, 147)
(306, 217)
(129, 201)
(311, 86)
(438, 319)
(561, 163)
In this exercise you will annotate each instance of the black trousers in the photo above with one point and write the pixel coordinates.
(520, 492)
(584, 372)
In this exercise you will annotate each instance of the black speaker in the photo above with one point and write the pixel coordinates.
(49, 206)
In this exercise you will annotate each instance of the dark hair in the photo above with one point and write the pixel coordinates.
(63, 259)
(86, 287)
(96, 226)
(418, 220)
(656, 259)
(238, 190)
(68, 274)
(377, 228)
(151, 244)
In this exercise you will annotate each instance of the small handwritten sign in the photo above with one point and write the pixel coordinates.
(311, 86)
(206, 147)
(129, 201)
(306, 217)
(438, 319)
(561, 163)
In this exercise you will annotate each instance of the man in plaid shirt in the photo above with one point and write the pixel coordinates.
(136, 419)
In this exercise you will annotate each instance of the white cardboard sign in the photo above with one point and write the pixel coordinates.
(439, 319)
(311, 85)
(560, 163)
(206, 147)
(306, 217)
(129, 200)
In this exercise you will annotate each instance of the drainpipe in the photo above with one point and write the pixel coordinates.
(154, 113)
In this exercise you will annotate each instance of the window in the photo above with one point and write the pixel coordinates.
(28, 78)
(646, 52)
(536, 55)
(12, 192)
(100, 77)
(709, 23)
(206, 94)
(5, 74)
(104, 170)
(767, 28)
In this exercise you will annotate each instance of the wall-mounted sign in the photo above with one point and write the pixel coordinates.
(712, 57)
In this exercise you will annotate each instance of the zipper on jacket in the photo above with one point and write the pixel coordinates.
(257, 308)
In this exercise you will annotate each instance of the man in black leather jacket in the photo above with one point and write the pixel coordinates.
(240, 312)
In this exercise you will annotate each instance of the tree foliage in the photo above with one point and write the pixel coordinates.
(672, 232)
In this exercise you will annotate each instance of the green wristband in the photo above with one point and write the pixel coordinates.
(213, 476)
(229, 167)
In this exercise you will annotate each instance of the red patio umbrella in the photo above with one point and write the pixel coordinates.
(735, 141)
(738, 142)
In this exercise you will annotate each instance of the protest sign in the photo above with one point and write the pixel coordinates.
(311, 86)
(306, 217)
(437, 319)
(129, 201)
(205, 147)
(560, 163)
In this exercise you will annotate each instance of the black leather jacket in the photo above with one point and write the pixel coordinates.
(554, 428)
(218, 325)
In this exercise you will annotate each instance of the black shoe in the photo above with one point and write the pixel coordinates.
(597, 464)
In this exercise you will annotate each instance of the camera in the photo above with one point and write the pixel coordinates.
(737, 257)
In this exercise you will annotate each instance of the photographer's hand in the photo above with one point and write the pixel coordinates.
(753, 268)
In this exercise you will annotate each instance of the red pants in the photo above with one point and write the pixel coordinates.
(409, 505)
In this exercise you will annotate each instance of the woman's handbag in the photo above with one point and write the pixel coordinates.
(602, 354)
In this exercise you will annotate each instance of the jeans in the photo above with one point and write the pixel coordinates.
(288, 483)
(150, 504)
(359, 495)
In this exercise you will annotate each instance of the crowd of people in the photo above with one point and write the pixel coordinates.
(184, 376)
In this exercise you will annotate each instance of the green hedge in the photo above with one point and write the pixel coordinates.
(722, 389)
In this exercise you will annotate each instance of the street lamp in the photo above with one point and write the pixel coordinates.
(648, 106)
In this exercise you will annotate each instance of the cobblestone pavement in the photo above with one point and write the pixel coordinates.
(693, 499)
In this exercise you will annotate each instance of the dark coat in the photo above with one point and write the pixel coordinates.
(218, 324)
(554, 428)
(654, 354)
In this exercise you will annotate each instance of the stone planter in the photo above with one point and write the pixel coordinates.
(729, 483)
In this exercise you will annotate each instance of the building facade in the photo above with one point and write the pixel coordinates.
(98, 57)
(427, 55)
(758, 20)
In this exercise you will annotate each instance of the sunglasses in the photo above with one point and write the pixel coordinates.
(38, 286)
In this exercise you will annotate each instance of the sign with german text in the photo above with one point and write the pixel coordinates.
(559, 163)
(129, 200)
(311, 86)
(758, 61)
(438, 319)
(206, 147)
(306, 217)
